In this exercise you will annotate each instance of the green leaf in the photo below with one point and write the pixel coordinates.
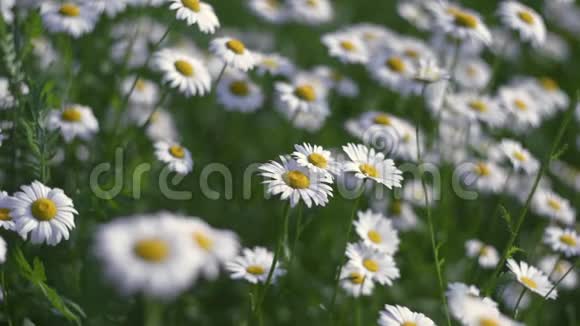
(58, 303)
(38, 272)
(560, 152)
(507, 217)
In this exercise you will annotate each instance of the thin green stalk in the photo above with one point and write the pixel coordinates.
(516, 308)
(152, 313)
(5, 298)
(347, 238)
(520, 221)
(279, 245)
(560, 280)
(430, 219)
(297, 234)
(221, 74)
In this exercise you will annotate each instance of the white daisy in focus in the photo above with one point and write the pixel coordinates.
(347, 47)
(557, 268)
(236, 92)
(532, 278)
(196, 12)
(312, 12)
(472, 74)
(254, 265)
(524, 20)
(475, 107)
(145, 91)
(376, 231)
(402, 316)
(316, 158)
(295, 183)
(274, 64)
(176, 157)
(565, 241)
(354, 281)
(47, 214)
(520, 158)
(74, 121)
(273, 11)
(233, 53)
(551, 205)
(380, 267)
(74, 18)
(217, 247)
(486, 255)
(183, 72)
(6, 220)
(521, 106)
(365, 163)
(147, 254)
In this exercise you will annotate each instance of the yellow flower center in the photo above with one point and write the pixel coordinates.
(549, 84)
(561, 268)
(529, 282)
(518, 155)
(312, 3)
(396, 208)
(255, 270)
(371, 265)
(184, 68)
(69, 10)
(140, 85)
(152, 250)
(347, 46)
(356, 278)
(409, 323)
(236, 46)
(482, 169)
(240, 88)
(369, 170)
(568, 240)
(520, 104)
(527, 17)
(464, 19)
(305, 93)
(192, 5)
(471, 71)
(411, 53)
(483, 251)
(203, 241)
(273, 3)
(177, 151)
(297, 179)
(44, 209)
(317, 160)
(270, 63)
(554, 204)
(395, 64)
(5, 214)
(71, 115)
(383, 119)
(485, 321)
(478, 106)
(374, 236)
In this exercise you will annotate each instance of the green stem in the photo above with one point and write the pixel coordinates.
(560, 280)
(297, 234)
(520, 221)
(152, 313)
(5, 297)
(516, 308)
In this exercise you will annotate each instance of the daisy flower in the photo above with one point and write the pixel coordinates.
(524, 20)
(551, 205)
(472, 74)
(294, 182)
(565, 241)
(236, 92)
(377, 232)
(402, 316)
(147, 254)
(430, 72)
(315, 158)
(254, 265)
(520, 158)
(196, 12)
(532, 278)
(302, 95)
(343, 85)
(414, 193)
(461, 24)
(393, 71)
(176, 157)
(354, 281)
(47, 214)
(346, 47)
(557, 268)
(74, 121)
(273, 11)
(217, 247)
(380, 267)
(486, 255)
(111, 7)
(145, 91)
(485, 176)
(459, 294)
(274, 64)
(365, 163)
(480, 313)
(475, 107)
(6, 220)
(233, 53)
(547, 92)
(416, 12)
(401, 214)
(74, 18)
(312, 12)
(521, 106)
(183, 72)
(161, 126)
